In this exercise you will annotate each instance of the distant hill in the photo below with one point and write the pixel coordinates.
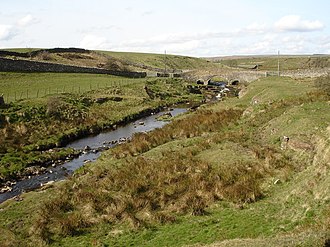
(270, 62)
(108, 59)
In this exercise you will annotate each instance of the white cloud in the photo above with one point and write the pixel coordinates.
(319, 44)
(190, 43)
(295, 44)
(256, 28)
(266, 45)
(97, 28)
(324, 40)
(148, 12)
(26, 20)
(295, 23)
(186, 47)
(180, 38)
(256, 38)
(91, 41)
(6, 32)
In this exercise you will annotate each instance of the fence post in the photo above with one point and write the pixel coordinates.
(2, 100)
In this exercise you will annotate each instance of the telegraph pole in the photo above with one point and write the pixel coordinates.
(165, 61)
(278, 63)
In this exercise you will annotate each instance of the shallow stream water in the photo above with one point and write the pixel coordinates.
(95, 143)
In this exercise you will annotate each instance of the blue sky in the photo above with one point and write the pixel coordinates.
(185, 27)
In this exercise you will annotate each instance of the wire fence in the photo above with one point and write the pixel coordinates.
(33, 93)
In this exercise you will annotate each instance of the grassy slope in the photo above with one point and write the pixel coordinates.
(136, 60)
(32, 85)
(158, 60)
(21, 50)
(285, 217)
(271, 62)
(288, 215)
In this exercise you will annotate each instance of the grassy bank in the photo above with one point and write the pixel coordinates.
(221, 176)
(32, 125)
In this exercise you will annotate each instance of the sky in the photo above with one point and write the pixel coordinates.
(200, 28)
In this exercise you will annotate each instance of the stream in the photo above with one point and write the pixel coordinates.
(93, 147)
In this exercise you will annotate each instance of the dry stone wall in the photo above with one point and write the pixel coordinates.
(4, 53)
(11, 65)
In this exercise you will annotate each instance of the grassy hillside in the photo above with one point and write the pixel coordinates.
(173, 62)
(116, 60)
(224, 175)
(21, 50)
(287, 62)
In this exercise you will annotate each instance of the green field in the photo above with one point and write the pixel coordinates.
(21, 50)
(16, 86)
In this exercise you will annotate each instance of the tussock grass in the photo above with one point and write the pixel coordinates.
(194, 125)
(142, 190)
(149, 191)
(323, 83)
(7, 238)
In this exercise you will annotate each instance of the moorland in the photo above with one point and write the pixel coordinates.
(249, 168)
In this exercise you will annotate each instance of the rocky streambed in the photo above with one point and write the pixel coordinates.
(88, 149)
